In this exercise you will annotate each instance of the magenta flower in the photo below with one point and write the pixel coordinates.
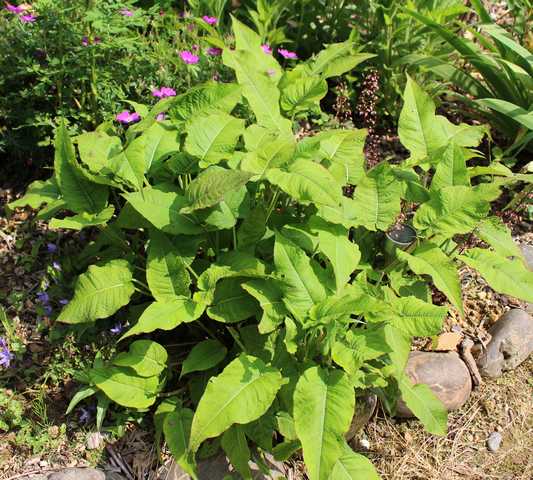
(266, 48)
(189, 57)
(195, 48)
(210, 20)
(214, 51)
(161, 117)
(287, 54)
(97, 40)
(17, 10)
(28, 18)
(164, 92)
(126, 12)
(126, 117)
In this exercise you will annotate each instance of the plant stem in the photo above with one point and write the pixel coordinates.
(235, 336)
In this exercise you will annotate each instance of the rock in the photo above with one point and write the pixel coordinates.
(510, 345)
(494, 441)
(364, 443)
(78, 474)
(218, 468)
(446, 375)
(365, 406)
(445, 342)
(37, 476)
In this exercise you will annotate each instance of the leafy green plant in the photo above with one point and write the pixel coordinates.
(230, 243)
(499, 83)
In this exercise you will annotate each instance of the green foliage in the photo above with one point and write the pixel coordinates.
(268, 285)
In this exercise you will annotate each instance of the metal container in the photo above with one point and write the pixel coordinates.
(401, 237)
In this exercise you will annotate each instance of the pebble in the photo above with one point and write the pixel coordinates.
(364, 443)
(494, 441)
(78, 474)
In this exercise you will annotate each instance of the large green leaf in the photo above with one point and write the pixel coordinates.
(210, 187)
(37, 193)
(343, 150)
(213, 137)
(302, 287)
(124, 388)
(160, 141)
(303, 94)
(307, 182)
(452, 210)
(324, 404)
(258, 88)
(146, 357)
(166, 316)
(428, 259)
(166, 271)
(377, 199)
(276, 152)
(83, 220)
(270, 297)
(163, 210)
(99, 292)
(177, 429)
(240, 394)
(231, 303)
(498, 236)
(506, 276)
(336, 59)
(79, 194)
(425, 405)
(205, 99)
(203, 356)
(96, 148)
(353, 466)
(451, 169)
(236, 448)
(417, 318)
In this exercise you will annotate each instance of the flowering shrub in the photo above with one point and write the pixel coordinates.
(233, 235)
(80, 59)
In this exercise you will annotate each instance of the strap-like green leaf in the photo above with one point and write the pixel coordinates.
(324, 403)
(428, 259)
(99, 292)
(240, 394)
(506, 276)
(236, 447)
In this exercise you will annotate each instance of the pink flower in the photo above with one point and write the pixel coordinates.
(97, 40)
(28, 18)
(189, 57)
(161, 117)
(287, 54)
(214, 51)
(126, 12)
(164, 92)
(15, 9)
(266, 48)
(195, 48)
(126, 117)
(210, 20)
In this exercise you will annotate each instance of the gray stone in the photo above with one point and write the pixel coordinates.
(78, 474)
(494, 441)
(365, 406)
(510, 345)
(446, 375)
(218, 467)
(37, 476)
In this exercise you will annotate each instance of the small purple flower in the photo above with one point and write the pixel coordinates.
(266, 48)
(85, 415)
(30, 18)
(48, 310)
(85, 41)
(287, 54)
(189, 57)
(64, 301)
(51, 247)
(5, 355)
(17, 10)
(195, 47)
(43, 298)
(126, 117)
(126, 13)
(164, 92)
(214, 51)
(161, 117)
(210, 20)
(56, 266)
(116, 329)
